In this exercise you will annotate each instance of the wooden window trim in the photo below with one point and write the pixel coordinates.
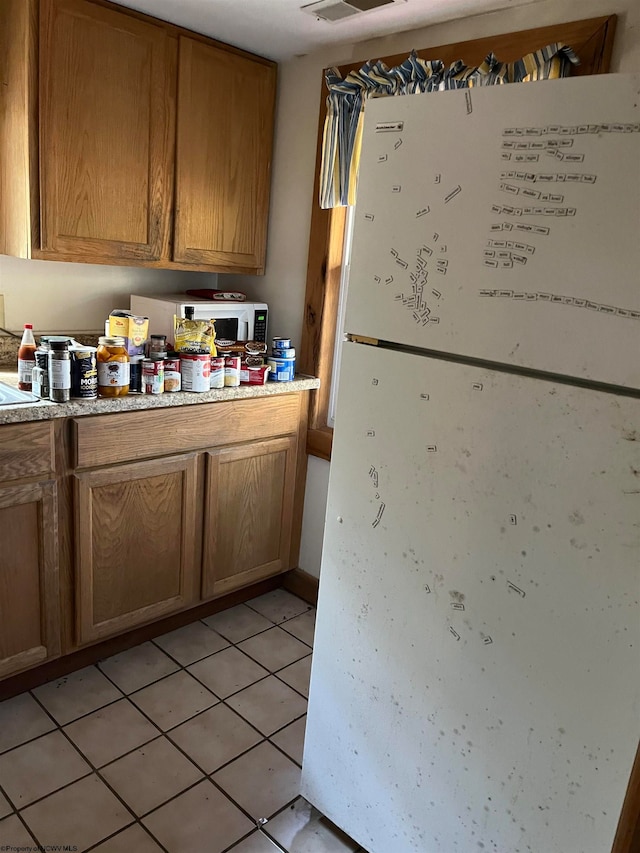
(592, 40)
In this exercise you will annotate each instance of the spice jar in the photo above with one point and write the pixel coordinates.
(157, 345)
(113, 367)
(59, 370)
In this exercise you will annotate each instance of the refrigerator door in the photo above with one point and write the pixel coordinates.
(502, 223)
(474, 682)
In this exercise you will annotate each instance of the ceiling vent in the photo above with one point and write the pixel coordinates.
(334, 11)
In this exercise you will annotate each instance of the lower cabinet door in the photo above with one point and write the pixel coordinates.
(29, 591)
(136, 528)
(248, 514)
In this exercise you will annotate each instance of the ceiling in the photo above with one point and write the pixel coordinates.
(279, 30)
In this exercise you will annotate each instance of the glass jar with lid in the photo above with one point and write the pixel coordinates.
(113, 367)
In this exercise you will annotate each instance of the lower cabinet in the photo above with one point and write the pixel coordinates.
(136, 528)
(248, 513)
(97, 540)
(29, 591)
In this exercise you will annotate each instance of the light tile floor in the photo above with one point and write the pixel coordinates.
(184, 744)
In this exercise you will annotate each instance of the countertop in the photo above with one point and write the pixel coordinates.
(44, 410)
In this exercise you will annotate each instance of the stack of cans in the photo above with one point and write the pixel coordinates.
(282, 361)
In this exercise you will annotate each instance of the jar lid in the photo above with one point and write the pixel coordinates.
(134, 359)
(117, 341)
(59, 346)
(157, 356)
(158, 337)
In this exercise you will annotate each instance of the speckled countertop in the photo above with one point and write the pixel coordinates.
(44, 410)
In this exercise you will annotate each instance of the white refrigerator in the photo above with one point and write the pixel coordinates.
(476, 675)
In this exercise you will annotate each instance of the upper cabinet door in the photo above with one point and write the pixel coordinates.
(224, 141)
(107, 110)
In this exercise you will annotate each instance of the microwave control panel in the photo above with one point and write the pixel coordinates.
(260, 325)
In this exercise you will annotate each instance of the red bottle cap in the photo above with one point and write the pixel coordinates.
(28, 325)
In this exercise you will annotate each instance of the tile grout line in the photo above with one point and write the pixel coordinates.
(62, 787)
(196, 765)
(166, 734)
(98, 774)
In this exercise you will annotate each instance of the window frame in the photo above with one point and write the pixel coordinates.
(592, 40)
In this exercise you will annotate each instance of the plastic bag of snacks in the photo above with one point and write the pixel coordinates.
(194, 335)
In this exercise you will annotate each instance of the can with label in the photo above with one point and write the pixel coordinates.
(172, 376)
(284, 353)
(282, 369)
(84, 373)
(232, 371)
(281, 343)
(152, 376)
(195, 368)
(216, 380)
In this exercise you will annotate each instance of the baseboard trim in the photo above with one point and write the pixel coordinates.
(302, 584)
(88, 655)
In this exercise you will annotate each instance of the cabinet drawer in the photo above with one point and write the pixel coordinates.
(26, 450)
(108, 439)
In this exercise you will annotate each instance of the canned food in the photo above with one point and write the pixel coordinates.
(172, 376)
(84, 373)
(152, 376)
(281, 343)
(282, 369)
(195, 368)
(289, 352)
(216, 379)
(232, 371)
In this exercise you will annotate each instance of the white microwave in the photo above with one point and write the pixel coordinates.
(235, 321)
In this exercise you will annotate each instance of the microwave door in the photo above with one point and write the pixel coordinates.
(229, 329)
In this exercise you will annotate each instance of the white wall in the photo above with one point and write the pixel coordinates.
(59, 297)
(283, 286)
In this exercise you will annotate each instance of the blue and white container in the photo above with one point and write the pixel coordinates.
(281, 343)
(282, 369)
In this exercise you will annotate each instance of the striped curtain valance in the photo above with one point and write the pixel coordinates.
(342, 135)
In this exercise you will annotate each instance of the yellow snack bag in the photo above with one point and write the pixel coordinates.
(194, 335)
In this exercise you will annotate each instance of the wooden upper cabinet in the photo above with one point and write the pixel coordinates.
(107, 98)
(88, 159)
(224, 142)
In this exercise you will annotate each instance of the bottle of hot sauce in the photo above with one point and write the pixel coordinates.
(26, 358)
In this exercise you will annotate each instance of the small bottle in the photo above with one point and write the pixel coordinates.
(189, 311)
(157, 344)
(26, 358)
(59, 371)
(135, 374)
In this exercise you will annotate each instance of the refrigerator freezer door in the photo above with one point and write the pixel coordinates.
(474, 682)
(502, 223)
